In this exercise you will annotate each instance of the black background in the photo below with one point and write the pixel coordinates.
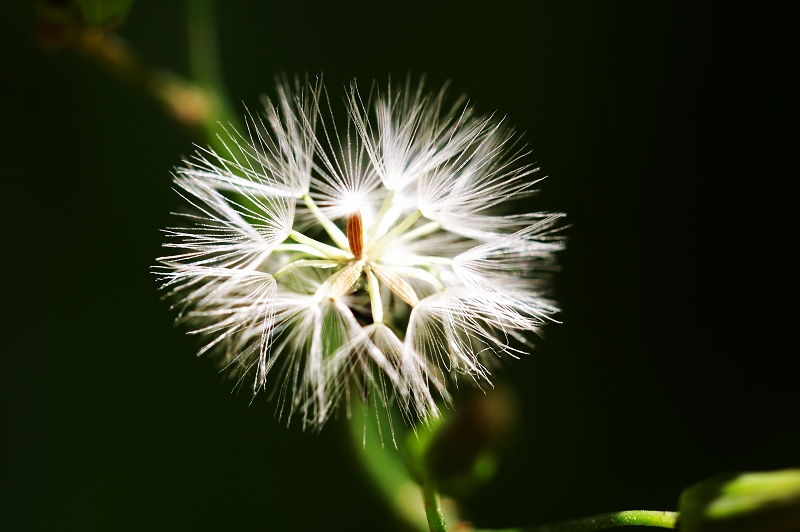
(664, 132)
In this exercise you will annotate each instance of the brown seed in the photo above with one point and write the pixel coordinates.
(355, 234)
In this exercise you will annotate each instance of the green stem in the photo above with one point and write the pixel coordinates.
(204, 63)
(397, 230)
(329, 251)
(604, 521)
(433, 510)
(385, 206)
(334, 232)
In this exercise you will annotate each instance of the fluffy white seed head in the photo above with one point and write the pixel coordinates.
(327, 259)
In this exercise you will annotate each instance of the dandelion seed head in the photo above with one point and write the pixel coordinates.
(367, 257)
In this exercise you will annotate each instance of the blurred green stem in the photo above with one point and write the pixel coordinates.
(384, 465)
(204, 63)
(206, 71)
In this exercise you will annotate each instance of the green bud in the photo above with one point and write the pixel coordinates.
(743, 502)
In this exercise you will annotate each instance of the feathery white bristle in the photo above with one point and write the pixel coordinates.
(430, 283)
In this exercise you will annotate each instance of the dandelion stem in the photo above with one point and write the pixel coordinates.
(329, 251)
(398, 229)
(374, 296)
(300, 248)
(387, 204)
(605, 521)
(428, 260)
(303, 263)
(335, 233)
(433, 510)
(423, 230)
(419, 273)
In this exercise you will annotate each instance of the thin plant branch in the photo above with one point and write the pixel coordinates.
(605, 521)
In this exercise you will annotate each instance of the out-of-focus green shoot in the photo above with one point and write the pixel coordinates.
(743, 502)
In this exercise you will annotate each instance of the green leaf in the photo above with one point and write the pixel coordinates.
(104, 12)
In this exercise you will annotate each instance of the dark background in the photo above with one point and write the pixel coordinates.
(663, 130)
